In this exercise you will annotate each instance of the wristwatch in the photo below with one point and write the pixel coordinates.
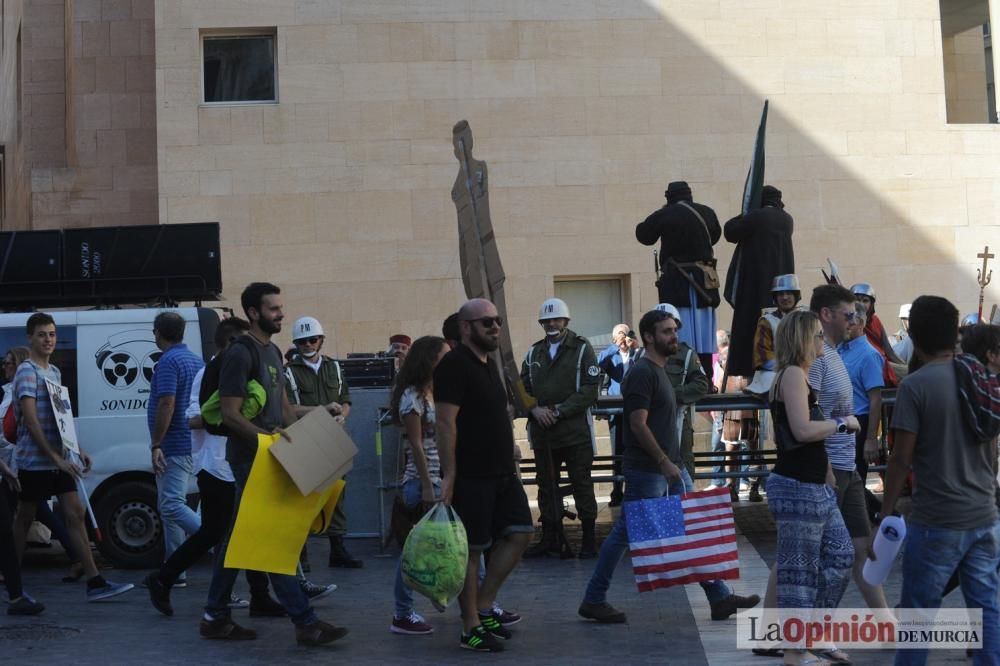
(555, 412)
(841, 424)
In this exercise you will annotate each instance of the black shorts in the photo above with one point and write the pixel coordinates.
(38, 485)
(852, 503)
(491, 508)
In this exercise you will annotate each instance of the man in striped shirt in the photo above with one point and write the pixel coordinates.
(831, 380)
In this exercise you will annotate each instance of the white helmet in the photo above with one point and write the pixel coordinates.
(904, 311)
(970, 319)
(306, 327)
(553, 308)
(670, 310)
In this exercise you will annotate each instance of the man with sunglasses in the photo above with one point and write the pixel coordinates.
(316, 379)
(476, 445)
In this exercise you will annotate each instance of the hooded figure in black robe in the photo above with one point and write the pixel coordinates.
(763, 240)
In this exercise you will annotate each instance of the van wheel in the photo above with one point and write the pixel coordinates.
(132, 534)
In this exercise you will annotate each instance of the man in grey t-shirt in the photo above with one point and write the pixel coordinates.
(652, 467)
(953, 522)
(264, 309)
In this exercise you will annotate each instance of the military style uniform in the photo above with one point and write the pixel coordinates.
(690, 385)
(567, 383)
(309, 388)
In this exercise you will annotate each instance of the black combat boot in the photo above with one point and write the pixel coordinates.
(547, 546)
(339, 557)
(588, 548)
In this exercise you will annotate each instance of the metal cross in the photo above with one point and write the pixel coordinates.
(983, 276)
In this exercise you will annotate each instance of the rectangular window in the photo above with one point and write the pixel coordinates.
(239, 68)
(596, 305)
(968, 59)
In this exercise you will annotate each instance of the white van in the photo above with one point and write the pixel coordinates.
(107, 359)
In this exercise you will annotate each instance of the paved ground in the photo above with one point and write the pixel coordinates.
(668, 626)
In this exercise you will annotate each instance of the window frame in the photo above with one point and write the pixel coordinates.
(239, 33)
(624, 283)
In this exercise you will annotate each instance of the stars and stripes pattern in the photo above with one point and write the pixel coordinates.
(682, 539)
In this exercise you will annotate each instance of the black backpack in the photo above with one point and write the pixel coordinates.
(210, 380)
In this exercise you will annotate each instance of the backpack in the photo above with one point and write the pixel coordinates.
(210, 381)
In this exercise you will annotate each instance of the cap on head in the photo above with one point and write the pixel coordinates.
(553, 308)
(670, 310)
(864, 289)
(306, 327)
(399, 338)
(904, 311)
(678, 191)
(771, 196)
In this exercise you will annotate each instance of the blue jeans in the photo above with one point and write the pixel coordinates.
(179, 521)
(286, 588)
(638, 486)
(930, 556)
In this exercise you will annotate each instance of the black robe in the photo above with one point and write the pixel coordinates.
(763, 240)
(685, 239)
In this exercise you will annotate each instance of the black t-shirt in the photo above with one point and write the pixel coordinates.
(484, 438)
(237, 364)
(646, 386)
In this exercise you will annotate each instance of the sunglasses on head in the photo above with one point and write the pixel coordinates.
(313, 340)
(488, 322)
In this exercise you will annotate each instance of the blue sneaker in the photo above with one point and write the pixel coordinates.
(108, 590)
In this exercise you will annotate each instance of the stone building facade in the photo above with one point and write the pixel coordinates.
(338, 189)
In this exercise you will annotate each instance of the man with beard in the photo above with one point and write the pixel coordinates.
(652, 467)
(264, 309)
(314, 379)
(476, 446)
(560, 372)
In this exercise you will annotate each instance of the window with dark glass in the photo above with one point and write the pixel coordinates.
(239, 68)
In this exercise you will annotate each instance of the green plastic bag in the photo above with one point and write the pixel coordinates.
(435, 556)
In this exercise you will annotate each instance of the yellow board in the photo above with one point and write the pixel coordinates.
(275, 518)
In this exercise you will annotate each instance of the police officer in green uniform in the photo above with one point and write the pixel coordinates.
(314, 379)
(687, 377)
(561, 373)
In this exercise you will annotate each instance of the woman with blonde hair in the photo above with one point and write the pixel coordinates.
(815, 553)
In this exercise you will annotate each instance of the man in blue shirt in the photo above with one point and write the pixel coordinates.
(865, 366)
(170, 436)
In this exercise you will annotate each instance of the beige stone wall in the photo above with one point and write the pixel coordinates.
(89, 112)
(583, 110)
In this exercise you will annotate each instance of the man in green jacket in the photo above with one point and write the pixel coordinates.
(560, 372)
(687, 377)
(315, 379)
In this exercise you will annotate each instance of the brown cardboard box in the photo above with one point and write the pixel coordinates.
(319, 453)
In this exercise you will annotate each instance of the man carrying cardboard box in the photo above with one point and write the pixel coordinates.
(264, 310)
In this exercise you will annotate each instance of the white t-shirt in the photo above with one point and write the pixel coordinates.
(208, 451)
(554, 348)
(315, 366)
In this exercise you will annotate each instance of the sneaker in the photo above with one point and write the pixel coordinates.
(491, 623)
(107, 591)
(480, 640)
(266, 607)
(318, 633)
(159, 594)
(224, 629)
(180, 582)
(603, 612)
(724, 609)
(236, 601)
(507, 618)
(412, 624)
(25, 605)
(317, 592)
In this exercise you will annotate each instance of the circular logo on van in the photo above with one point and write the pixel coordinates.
(149, 364)
(120, 370)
